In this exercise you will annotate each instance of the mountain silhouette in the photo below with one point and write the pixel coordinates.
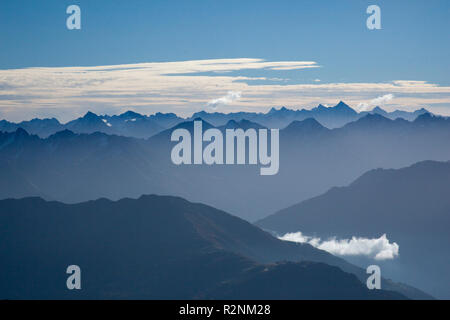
(72, 167)
(133, 124)
(410, 116)
(411, 205)
(161, 247)
(89, 123)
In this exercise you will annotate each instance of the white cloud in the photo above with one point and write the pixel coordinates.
(379, 101)
(377, 248)
(382, 100)
(229, 98)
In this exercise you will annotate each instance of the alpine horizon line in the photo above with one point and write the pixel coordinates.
(272, 109)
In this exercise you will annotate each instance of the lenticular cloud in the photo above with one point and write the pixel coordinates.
(376, 248)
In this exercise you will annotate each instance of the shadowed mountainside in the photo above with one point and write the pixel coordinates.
(161, 248)
(411, 205)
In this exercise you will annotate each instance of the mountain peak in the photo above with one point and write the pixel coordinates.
(307, 125)
(281, 110)
(377, 109)
(189, 124)
(169, 114)
(272, 110)
(232, 123)
(422, 111)
(130, 114)
(369, 120)
(63, 134)
(45, 120)
(429, 117)
(200, 114)
(342, 106)
(90, 115)
(20, 132)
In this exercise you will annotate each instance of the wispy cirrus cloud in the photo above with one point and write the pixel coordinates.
(185, 87)
(377, 248)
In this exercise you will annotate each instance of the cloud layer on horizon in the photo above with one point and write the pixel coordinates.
(185, 87)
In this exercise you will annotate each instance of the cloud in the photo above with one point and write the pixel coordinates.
(229, 98)
(379, 101)
(377, 248)
(382, 100)
(185, 87)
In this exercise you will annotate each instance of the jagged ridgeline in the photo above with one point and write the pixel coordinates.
(133, 124)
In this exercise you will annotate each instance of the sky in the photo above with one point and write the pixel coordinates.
(184, 56)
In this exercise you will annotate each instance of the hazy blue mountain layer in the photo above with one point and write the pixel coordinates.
(411, 205)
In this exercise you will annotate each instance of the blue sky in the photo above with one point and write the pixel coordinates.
(412, 45)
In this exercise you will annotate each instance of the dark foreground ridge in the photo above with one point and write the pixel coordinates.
(161, 247)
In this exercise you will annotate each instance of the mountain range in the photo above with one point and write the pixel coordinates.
(133, 124)
(73, 167)
(411, 205)
(70, 173)
(162, 247)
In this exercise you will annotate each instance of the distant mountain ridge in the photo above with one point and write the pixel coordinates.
(133, 124)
